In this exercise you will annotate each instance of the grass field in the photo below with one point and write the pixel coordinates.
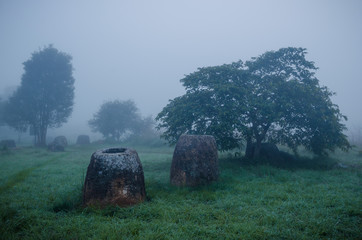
(40, 198)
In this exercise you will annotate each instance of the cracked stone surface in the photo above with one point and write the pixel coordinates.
(195, 161)
(58, 145)
(114, 177)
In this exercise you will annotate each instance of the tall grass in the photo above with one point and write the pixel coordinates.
(40, 198)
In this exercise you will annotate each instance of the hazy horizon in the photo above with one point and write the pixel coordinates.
(140, 50)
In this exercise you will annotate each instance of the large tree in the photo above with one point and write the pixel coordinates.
(45, 97)
(115, 118)
(271, 98)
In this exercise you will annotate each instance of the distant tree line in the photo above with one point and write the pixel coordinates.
(45, 100)
(274, 97)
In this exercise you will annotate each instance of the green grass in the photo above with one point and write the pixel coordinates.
(40, 198)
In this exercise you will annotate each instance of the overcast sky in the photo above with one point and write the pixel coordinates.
(140, 50)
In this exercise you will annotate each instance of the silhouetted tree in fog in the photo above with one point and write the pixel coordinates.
(271, 98)
(115, 118)
(14, 116)
(45, 97)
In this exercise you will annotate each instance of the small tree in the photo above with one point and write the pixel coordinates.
(115, 118)
(45, 96)
(274, 97)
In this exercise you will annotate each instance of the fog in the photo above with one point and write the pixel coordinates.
(140, 50)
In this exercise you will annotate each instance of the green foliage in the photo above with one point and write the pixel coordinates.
(116, 118)
(210, 106)
(45, 96)
(42, 200)
(272, 98)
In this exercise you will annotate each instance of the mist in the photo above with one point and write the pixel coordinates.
(140, 50)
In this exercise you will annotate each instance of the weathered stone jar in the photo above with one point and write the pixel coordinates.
(58, 145)
(83, 140)
(114, 177)
(195, 161)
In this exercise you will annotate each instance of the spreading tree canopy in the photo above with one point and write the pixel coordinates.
(271, 98)
(45, 97)
(116, 118)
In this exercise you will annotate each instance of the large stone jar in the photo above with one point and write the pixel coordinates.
(114, 177)
(195, 161)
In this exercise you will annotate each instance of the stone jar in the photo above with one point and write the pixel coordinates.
(114, 177)
(83, 140)
(7, 143)
(195, 161)
(58, 145)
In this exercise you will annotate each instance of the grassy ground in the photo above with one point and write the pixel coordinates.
(40, 198)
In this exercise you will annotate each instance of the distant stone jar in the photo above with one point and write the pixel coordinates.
(9, 143)
(61, 140)
(195, 161)
(83, 140)
(114, 177)
(58, 145)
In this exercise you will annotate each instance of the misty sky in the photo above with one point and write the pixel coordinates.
(140, 50)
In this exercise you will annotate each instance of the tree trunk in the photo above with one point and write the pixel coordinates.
(41, 137)
(249, 148)
(257, 148)
(252, 149)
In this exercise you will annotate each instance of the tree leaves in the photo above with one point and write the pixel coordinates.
(274, 97)
(45, 97)
(116, 118)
